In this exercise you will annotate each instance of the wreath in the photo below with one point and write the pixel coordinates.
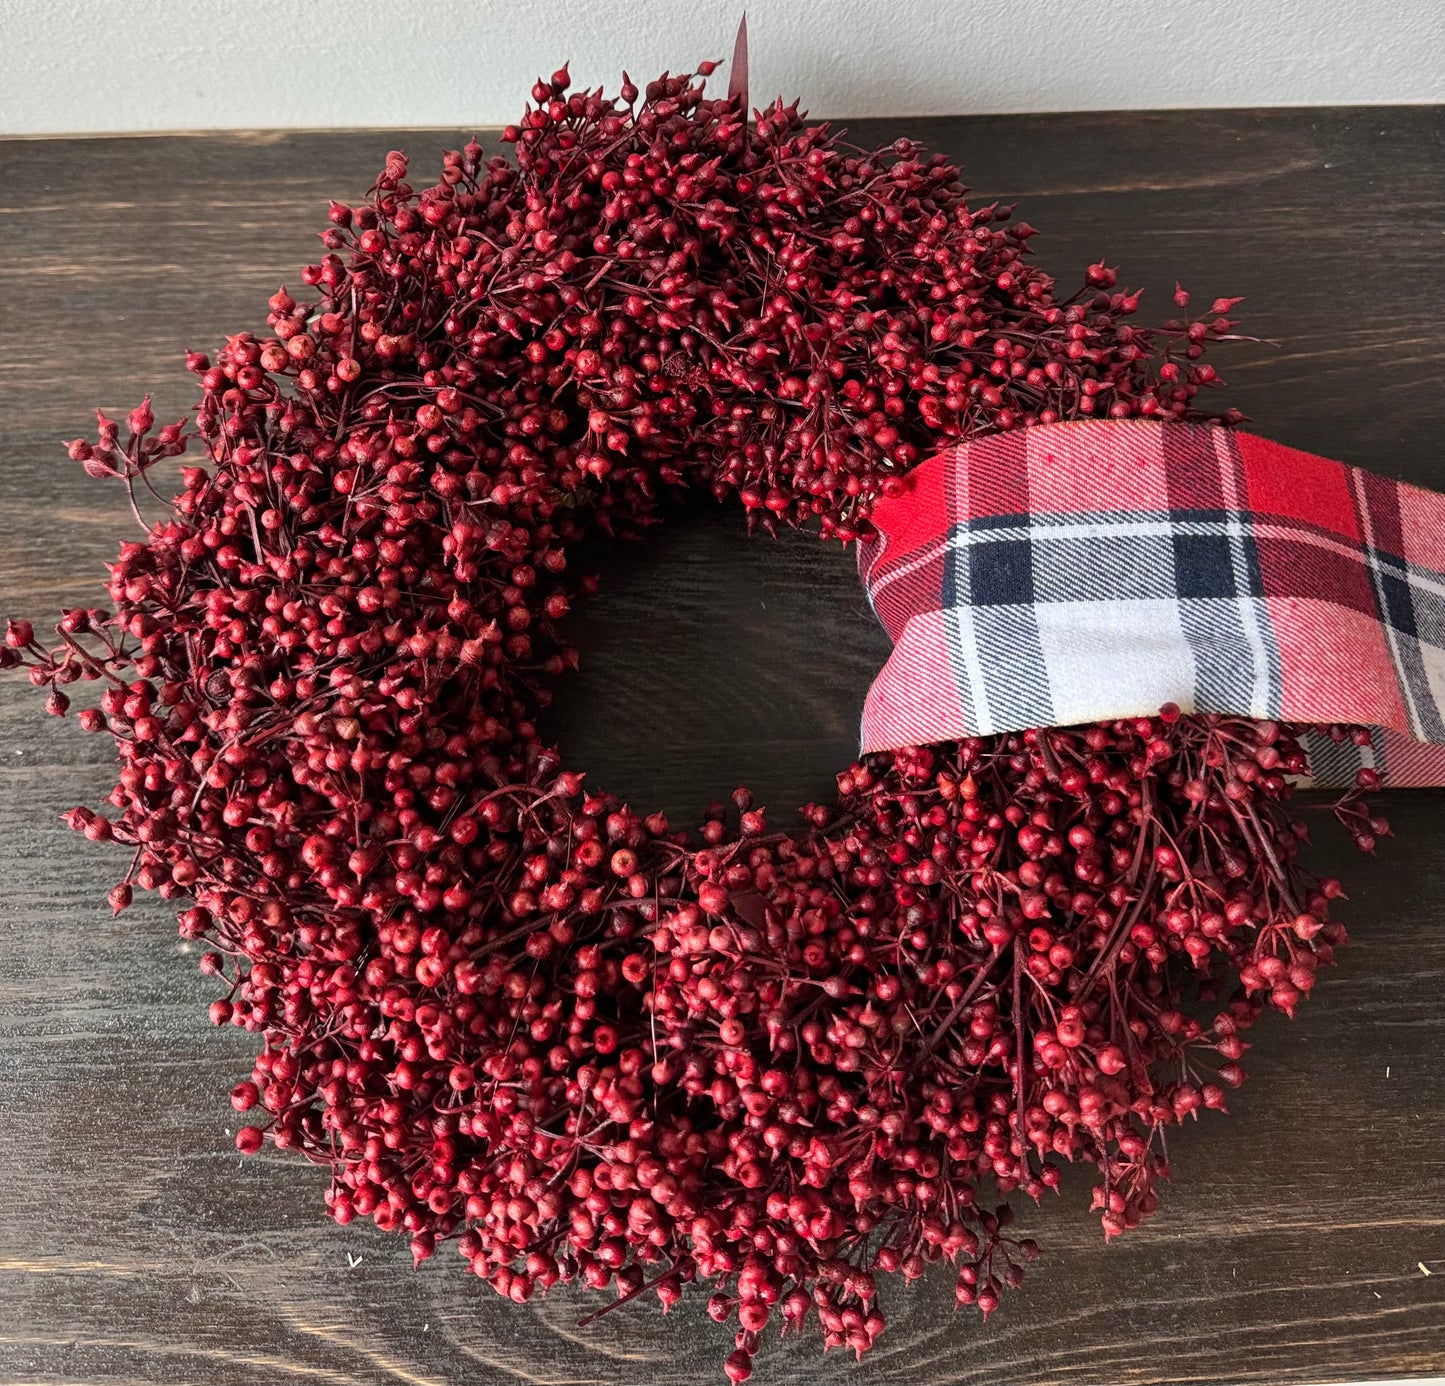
(505, 1009)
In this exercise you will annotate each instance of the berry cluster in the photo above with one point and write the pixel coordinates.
(517, 1015)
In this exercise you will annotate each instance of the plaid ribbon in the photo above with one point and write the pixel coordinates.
(1079, 572)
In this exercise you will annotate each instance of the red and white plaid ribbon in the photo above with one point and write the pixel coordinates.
(1078, 572)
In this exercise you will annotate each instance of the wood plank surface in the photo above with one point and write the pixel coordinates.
(1304, 1236)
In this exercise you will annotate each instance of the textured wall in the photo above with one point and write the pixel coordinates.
(115, 65)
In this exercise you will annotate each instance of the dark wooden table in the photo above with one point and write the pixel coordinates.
(1304, 1237)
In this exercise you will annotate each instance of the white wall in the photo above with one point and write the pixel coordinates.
(115, 65)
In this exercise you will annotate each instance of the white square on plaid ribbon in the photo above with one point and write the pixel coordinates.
(1129, 655)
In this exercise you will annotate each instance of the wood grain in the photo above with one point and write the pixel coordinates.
(1294, 1243)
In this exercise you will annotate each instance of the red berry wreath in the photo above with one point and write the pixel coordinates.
(510, 1012)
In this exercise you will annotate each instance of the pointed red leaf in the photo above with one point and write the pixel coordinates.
(738, 69)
